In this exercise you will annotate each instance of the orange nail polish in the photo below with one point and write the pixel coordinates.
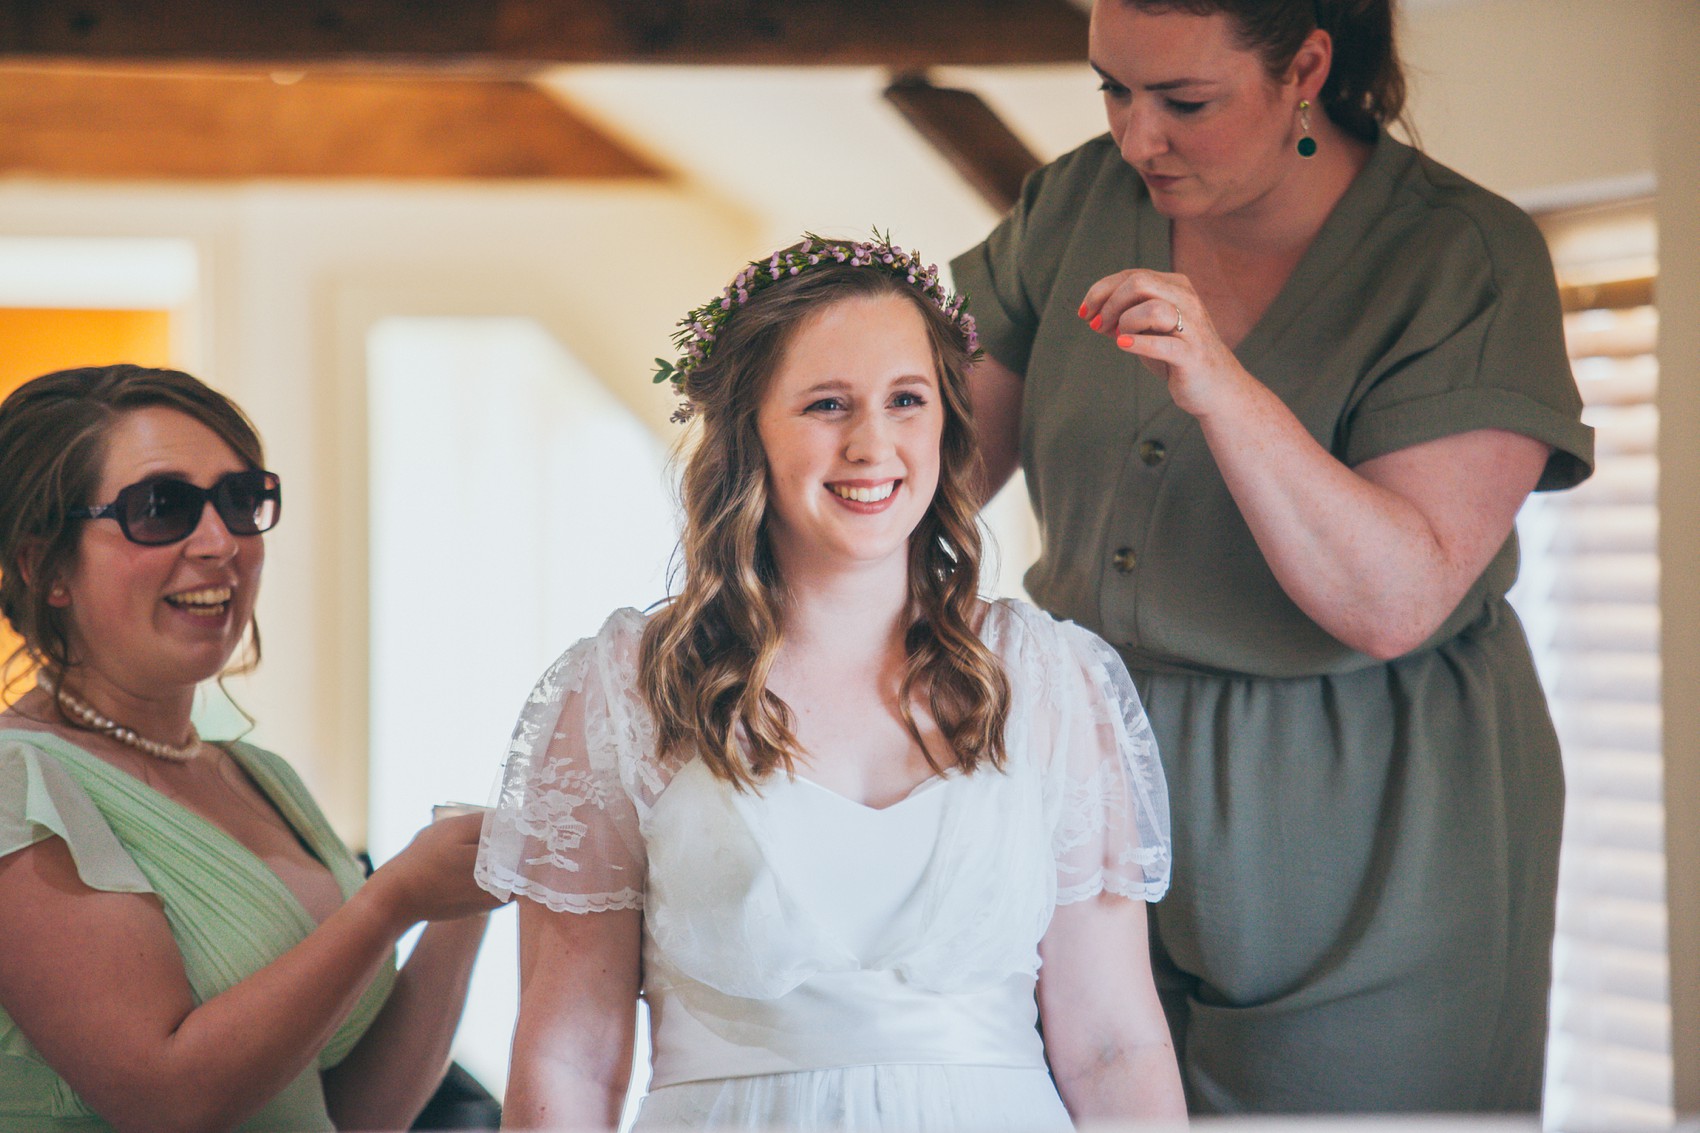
(1083, 310)
(1124, 341)
(1097, 322)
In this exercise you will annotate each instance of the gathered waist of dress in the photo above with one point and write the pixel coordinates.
(837, 1019)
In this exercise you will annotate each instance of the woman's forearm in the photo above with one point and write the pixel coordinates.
(1377, 556)
(572, 1052)
(387, 1079)
(218, 1066)
(544, 1094)
(1123, 1083)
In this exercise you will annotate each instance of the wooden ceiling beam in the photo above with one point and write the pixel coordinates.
(220, 127)
(969, 135)
(517, 36)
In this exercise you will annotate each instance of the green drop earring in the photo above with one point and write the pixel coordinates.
(1307, 144)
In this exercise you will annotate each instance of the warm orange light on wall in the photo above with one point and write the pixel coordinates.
(35, 341)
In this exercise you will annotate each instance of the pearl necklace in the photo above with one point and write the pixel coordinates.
(109, 727)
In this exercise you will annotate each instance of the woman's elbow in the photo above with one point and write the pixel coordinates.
(1388, 646)
(1396, 625)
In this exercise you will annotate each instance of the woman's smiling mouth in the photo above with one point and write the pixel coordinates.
(855, 493)
(207, 602)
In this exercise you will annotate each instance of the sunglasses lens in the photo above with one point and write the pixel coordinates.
(249, 502)
(160, 511)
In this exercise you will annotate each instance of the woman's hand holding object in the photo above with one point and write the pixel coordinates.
(431, 880)
(1159, 317)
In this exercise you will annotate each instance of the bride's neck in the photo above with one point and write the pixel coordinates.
(849, 614)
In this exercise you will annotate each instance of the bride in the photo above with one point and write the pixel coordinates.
(850, 829)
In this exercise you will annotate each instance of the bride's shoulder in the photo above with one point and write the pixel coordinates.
(612, 652)
(1047, 653)
(1012, 624)
(621, 634)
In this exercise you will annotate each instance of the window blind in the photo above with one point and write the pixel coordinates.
(1589, 597)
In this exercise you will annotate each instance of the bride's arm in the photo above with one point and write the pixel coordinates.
(1105, 1035)
(572, 1053)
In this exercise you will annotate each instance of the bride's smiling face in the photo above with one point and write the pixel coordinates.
(850, 424)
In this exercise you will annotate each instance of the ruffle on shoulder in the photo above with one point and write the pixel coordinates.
(563, 829)
(1078, 716)
(39, 800)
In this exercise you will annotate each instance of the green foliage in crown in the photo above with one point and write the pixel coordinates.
(699, 330)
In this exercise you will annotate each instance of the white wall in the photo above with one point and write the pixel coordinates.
(1536, 97)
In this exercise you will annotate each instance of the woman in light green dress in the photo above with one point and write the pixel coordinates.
(187, 943)
(1279, 384)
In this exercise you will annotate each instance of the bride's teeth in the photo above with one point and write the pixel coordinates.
(866, 495)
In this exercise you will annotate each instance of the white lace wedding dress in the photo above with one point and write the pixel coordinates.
(811, 963)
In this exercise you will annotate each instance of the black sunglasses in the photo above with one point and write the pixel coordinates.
(166, 510)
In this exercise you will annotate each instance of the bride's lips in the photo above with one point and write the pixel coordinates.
(865, 497)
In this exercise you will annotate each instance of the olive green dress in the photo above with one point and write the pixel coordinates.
(1365, 852)
(230, 914)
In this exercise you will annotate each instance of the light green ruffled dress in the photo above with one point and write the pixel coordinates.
(230, 913)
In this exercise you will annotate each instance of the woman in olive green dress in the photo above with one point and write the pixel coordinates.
(186, 944)
(1280, 384)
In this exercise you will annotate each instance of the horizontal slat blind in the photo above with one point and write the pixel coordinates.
(1589, 596)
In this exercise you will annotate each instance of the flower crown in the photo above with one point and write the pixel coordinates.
(699, 330)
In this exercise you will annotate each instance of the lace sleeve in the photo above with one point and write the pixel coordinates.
(564, 827)
(1104, 785)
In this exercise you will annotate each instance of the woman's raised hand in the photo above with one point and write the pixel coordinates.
(431, 880)
(1158, 316)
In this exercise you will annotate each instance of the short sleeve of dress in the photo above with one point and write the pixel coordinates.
(39, 800)
(1105, 795)
(564, 828)
(1485, 347)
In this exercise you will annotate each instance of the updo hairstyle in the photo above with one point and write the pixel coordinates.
(1365, 89)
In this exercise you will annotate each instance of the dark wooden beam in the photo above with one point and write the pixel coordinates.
(969, 135)
(523, 34)
(176, 126)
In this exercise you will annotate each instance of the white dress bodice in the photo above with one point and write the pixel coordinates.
(789, 930)
(825, 965)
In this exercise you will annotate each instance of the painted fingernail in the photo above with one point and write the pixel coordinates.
(1124, 341)
(1083, 310)
(1097, 322)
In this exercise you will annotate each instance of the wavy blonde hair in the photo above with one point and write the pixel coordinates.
(707, 655)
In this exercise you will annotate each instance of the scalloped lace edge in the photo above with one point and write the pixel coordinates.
(1151, 891)
(506, 884)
